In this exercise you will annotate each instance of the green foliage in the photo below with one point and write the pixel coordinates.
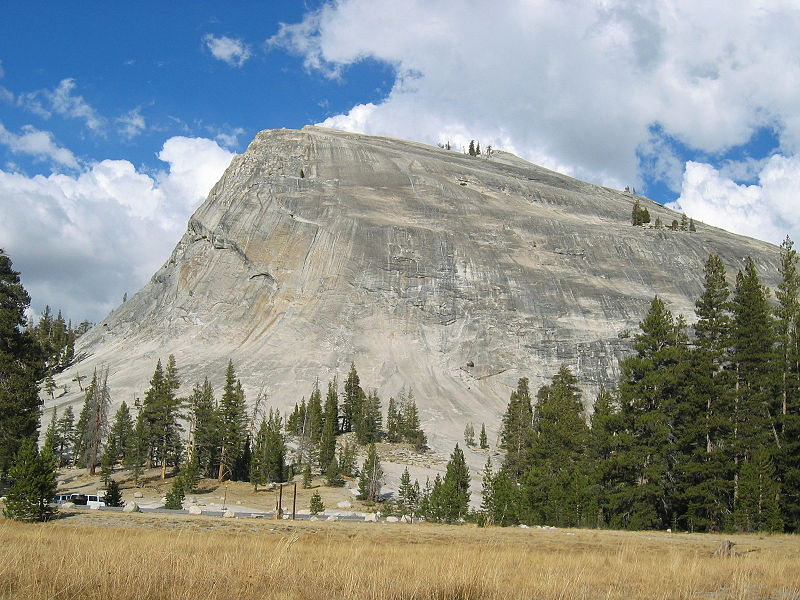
(352, 401)
(469, 434)
(113, 495)
(757, 508)
(33, 477)
(161, 412)
(21, 366)
(232, 424)
(449, 498)
(175, 495)
(56, 339)
(517, 429)
(316, 506)
(347, 460)
(65, 435)
(371, 479)
(408, 494)
(307, 476)
(330, 427)
(483, 441)
(204, 445)
(333, 475)
(268, 461)
(368, 425)
(639, 214)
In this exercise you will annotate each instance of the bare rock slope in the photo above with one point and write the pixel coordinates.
(455, 275)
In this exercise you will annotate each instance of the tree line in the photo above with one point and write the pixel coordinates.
(701, 432)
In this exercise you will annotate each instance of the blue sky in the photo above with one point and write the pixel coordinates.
(116, 119)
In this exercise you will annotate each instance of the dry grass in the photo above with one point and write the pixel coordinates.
(113, 556)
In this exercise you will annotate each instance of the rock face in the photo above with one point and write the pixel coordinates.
(455, 275)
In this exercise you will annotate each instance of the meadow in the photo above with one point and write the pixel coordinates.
(101, 556)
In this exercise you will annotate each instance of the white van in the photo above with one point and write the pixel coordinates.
(90, 500)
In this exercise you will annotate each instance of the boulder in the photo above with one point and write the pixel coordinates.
(229, 514)
(138, 495)
(195, 510)
(333, 518)
(371, 517)
(68, 505)
(344, 504)
(131, 507)
(392, 519)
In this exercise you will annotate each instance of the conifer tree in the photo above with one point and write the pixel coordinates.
(347, 460)
(161, 412)
(315, 415)
(203, 429)
(330, 427)
(21, 367)
(113, 495)
(307, 476)
(483, 441)
(51, 434)
(352, 400)
(393, 422)
(469, 434)
(757, 507)
(788, 337)
(98, 399)
(558, 442)
(407, 494)
(409, 423)
(33, 477)
(704, 424)
(517, 428)
(368, 425)
(176, 495)
(316, 506)
(370, 481)
(333, 475)
(121, 431)
(136, 452)
(652, 385)
(66, 435)
(232, 423)
(455, 487)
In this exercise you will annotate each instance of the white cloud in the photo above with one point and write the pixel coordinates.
(576, 86)
(39, 144)
(767, 209)
(230, 50)
(87, 239)
(131, 124)
(64, 102)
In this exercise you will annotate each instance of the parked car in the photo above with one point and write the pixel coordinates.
(88, 500)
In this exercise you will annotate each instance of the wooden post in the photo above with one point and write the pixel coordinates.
(294, 501)
(280, 501)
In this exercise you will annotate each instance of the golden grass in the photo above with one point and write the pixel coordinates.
(97, 556)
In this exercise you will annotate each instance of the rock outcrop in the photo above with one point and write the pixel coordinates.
(451, 274)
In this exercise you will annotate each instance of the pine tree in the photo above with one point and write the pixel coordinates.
(469, 434)
(204, 443)
(66, 435)
(136, 452)
(558, 443)
(307, 476)
(472, 147)
(161, 410)
(705, 420)
(407, 495)
(369, 484)
(121, 432)
(788, 351)
(517, 429)
(352, 400)
(333, 475)
(21, 366)
(113, 495)
(232, 423)
(34, 483)
(330, 427)
(315, 415)
(94, 419)
(368, 426)
(393, 422)
(316, 506)
(347, 460)
(51, 434)
(455, 487)
(483, 441)
(757, 507)
(605, 444)
(410, 425)
(176, 495)
(652, 386)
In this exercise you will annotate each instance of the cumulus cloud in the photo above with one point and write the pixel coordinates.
(766, 209)
(230, 50)
(62, 101)
(39, 144)
(106, 230)
(131, 124)
(590, 88)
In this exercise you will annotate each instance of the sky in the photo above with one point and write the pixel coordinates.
(116, 119)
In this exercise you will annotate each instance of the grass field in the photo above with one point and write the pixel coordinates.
(101, 556)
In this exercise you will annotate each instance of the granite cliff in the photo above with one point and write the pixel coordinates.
(453, 274)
